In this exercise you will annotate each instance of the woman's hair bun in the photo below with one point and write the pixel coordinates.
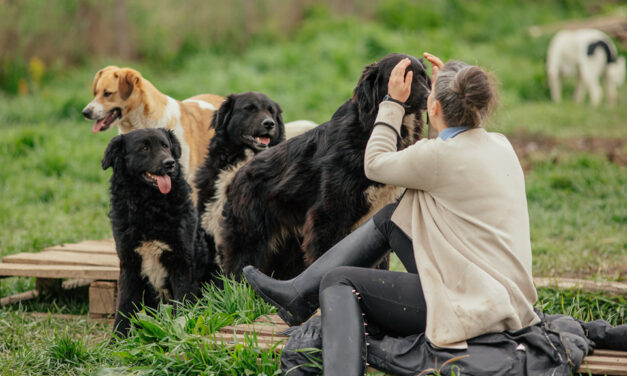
(467, 93)
(473, 86)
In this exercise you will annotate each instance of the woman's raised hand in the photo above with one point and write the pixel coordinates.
(436, 63)
(399, 85)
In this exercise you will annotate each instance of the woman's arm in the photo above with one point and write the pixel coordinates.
(414, 167)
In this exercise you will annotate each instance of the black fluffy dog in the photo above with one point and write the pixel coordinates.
(291, 203)
(245, 125)
(162, 252)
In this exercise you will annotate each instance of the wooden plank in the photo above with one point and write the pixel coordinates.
(273, 319)
(102, 298)
(65, 316)
(616, 288)
(19, 297)
(267, 330)
(62, 258)
(276, 319)
(75, 283)
(82, 251)
(106, 246)
(613, 25)
(59, 271)
(603, 370)
(614, 353)
(265, 343)
(605, 360)
(109, 241)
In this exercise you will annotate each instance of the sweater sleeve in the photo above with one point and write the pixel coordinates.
(413, 167)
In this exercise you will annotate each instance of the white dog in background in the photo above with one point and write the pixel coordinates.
(587, 54)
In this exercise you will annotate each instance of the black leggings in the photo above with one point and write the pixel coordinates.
(392, 302)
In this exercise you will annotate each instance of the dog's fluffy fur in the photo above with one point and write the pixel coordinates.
(161, 248)
(245, 125)
(587, 54)
(124, 98)
(291, 203)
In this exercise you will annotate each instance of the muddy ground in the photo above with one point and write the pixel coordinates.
(531, 148)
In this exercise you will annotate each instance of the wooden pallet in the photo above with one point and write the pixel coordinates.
(95, 261)
(267, 330)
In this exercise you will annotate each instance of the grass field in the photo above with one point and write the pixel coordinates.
(53, 191)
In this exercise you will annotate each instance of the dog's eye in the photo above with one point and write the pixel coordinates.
(250, 108)
(164, 145)
(145, 148)
(107, 94)
(271, 110)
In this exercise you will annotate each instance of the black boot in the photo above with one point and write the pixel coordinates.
(343, 336)
(297, 299)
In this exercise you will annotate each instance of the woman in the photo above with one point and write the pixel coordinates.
(461, 230)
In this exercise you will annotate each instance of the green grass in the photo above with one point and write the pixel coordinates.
(578, 216)
(160, 342)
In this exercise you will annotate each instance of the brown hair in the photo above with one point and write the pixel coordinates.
(466, 93)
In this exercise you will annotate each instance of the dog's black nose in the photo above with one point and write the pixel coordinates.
(87, 113)
(169, 164)
(268, 124)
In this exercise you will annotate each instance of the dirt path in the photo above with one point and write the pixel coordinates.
(534, 147)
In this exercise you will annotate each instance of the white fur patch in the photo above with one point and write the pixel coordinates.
(297, 127)
(172, 115)
(134, 119)
(97, 109)
(409, 123)
(172, 111)
(179, 132)
(202, 104)
(377, 198)
(152, 268)
(212, 217)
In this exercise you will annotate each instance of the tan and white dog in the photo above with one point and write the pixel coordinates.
(124, 98)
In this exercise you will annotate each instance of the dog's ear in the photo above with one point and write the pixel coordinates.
(128, 80)
(366, 94)
(114, 152)
(96, 79)
(280, 125)
(223, 115)
(176, 145)
(99, 75)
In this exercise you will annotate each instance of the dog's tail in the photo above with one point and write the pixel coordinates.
(607, 46)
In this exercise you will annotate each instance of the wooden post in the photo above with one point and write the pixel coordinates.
(102, 295)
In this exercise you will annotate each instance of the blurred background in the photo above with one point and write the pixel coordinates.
(307, 55)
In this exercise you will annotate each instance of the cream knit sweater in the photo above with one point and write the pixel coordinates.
(465, 209)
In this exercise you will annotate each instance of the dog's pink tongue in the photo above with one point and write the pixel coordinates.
(164, 183)
(97, 126)
(264, 140)
(104, 123)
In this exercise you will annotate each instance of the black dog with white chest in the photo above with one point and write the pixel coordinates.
(246, 124)
(163, 255)
(291, 203)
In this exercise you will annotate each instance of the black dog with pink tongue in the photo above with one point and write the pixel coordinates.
(162, 251)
